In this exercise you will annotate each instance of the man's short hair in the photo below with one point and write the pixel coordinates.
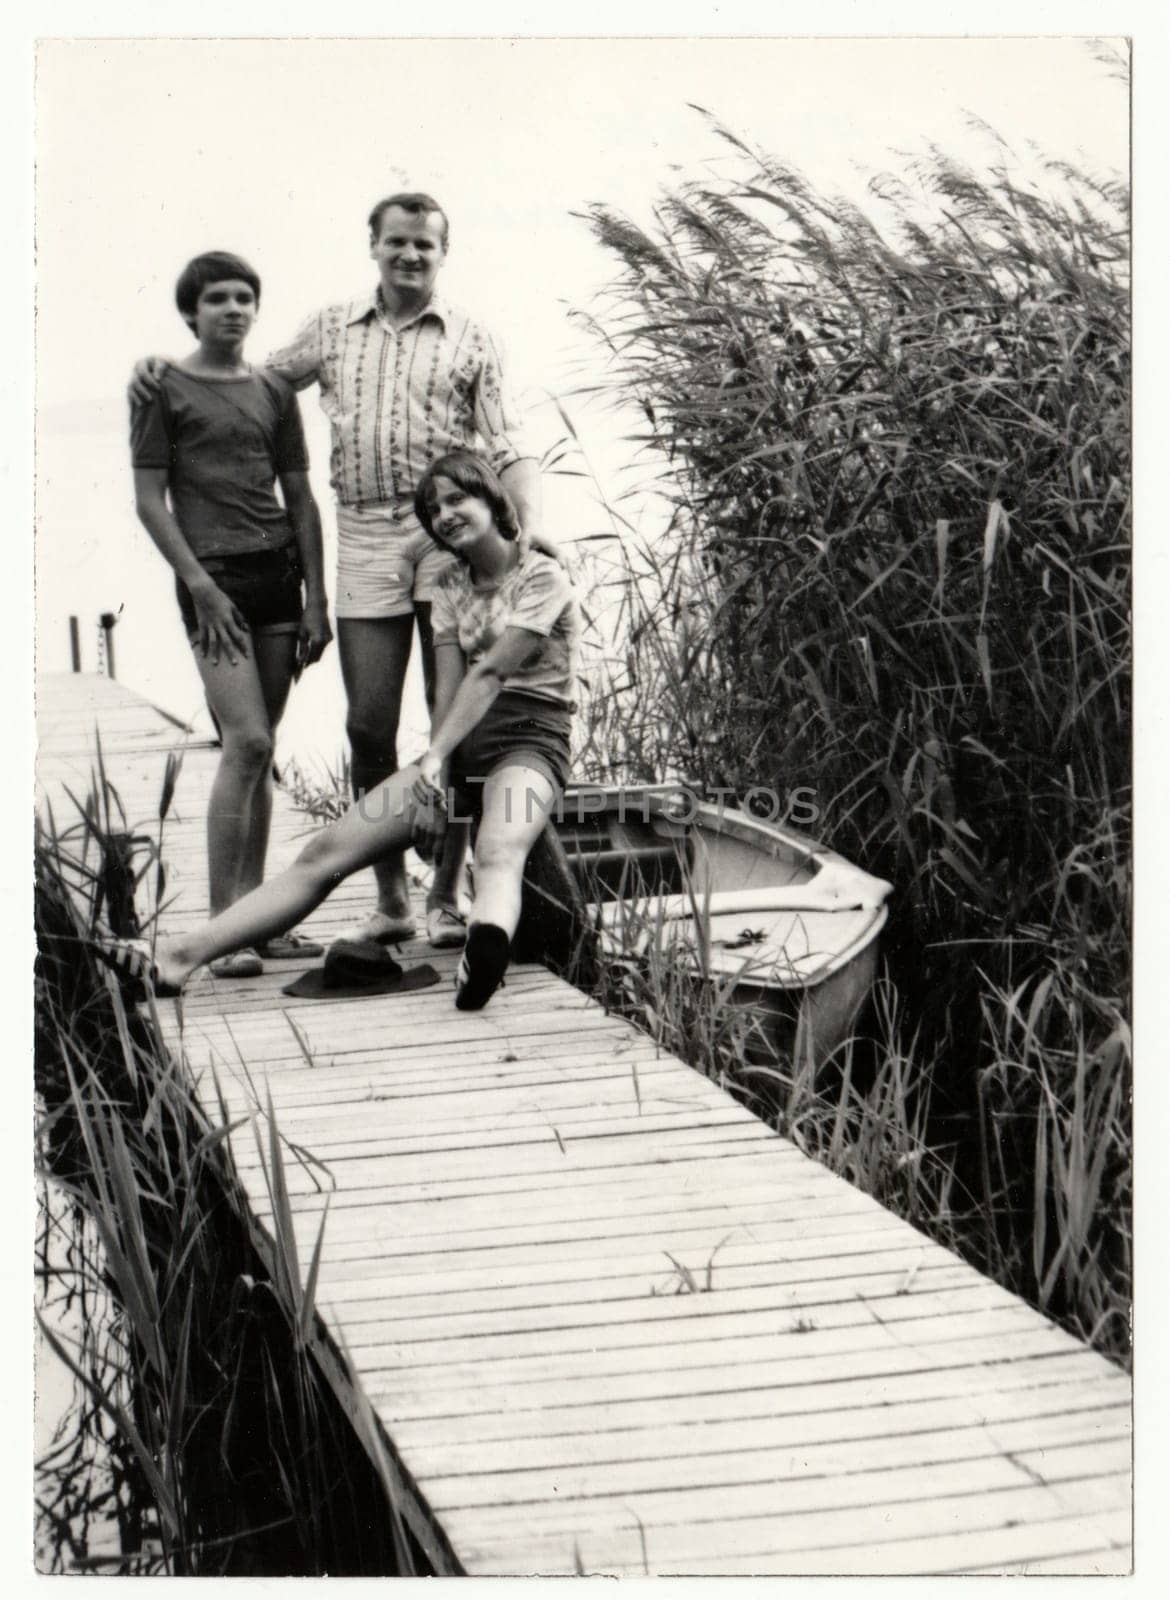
(214, 266)
(416, 203)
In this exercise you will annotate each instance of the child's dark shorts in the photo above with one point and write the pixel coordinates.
(518, 728)
(265, 587)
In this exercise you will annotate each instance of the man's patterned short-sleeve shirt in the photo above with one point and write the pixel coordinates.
(397, 399)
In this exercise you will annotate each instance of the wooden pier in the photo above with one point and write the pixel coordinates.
(610, 1321)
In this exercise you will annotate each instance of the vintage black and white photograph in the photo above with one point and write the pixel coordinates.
(583, 829)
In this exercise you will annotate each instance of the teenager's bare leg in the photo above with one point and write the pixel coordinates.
(375, 653)
(381, 822)
(236, 697)
(444, 890)
(517, 802)
(276, 655)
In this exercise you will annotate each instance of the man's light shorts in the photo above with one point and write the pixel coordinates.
(385, 562)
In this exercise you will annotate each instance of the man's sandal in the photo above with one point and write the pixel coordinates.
(289, 947)
(243, 963)
(446, 928)
(380, 927)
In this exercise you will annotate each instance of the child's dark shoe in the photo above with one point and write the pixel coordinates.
(482, 967)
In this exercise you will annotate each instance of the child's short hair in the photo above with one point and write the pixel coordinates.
(417, 203)
(214, 266)
(474, 476)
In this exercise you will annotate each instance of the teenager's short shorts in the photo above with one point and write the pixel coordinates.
(385, 562)
(265, 587)
(518, 728)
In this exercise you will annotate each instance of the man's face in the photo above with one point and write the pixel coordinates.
(408, 248)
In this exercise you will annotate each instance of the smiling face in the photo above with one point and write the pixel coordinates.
(459, 518)
(224, 313)
(408, 247)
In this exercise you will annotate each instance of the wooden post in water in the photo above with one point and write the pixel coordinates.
(107, 620)
(74, 644)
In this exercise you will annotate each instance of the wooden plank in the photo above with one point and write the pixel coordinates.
(546, 1162)
(626, 1347)
(633, 1211)
(1071, 1436)
(378, 1137)
(494, 1115)
(651, 1268)
(1085, 1415)
(712, 1505)
(473, 1395)
(632, 1207)
(863, 1539)
(345, 1084)
(706, 1245)
(443, 1236)
(1115, 1562)
(914, 1394)
(708, 1261)
(1001, 1548)
(702, 1162)
(564, 1290)
(649, 1317)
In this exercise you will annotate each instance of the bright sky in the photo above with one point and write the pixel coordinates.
(150, 150)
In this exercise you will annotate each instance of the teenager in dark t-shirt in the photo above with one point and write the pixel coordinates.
(208, 449)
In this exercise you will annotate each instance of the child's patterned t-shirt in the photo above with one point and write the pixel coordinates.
(536, 595)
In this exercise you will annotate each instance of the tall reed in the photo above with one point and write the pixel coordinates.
(892, 444)
(199, 1375)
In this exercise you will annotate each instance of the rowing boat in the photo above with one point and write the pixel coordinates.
(777, 925)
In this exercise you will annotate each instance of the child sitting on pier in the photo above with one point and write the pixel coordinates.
(215, 436)
(506, 626)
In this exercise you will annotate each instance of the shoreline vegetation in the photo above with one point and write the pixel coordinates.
(895, 571)
(202, 1437)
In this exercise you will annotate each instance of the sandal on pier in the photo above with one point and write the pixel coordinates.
(446, 927)
(289, 947)
(243, 963)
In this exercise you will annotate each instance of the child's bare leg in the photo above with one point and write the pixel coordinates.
(235, 695)
(517, 803)
(381, 821)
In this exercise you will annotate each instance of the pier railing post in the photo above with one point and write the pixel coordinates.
(107, 620)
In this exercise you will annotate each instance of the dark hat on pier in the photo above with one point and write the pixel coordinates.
(355, 968)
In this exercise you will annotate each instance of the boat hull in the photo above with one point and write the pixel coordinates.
(779, 928)
(803, 1029)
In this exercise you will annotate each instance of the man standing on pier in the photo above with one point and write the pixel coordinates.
(404, 377)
